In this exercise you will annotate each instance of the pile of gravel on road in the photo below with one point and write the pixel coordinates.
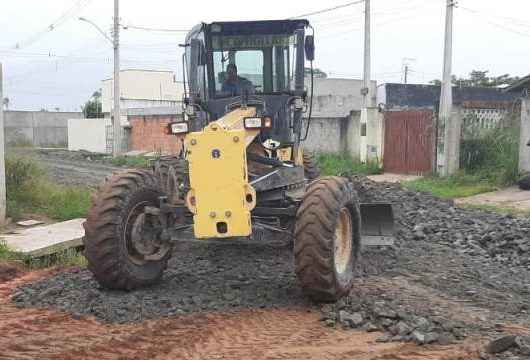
(200, 276)
(372, 310)
(424, 217)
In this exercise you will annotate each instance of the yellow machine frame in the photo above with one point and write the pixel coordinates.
(221, 197)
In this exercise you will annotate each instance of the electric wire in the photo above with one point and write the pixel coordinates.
(64, 17)
(318, 12)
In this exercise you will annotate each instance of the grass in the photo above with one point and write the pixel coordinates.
(457, 186)
(344, 165)
(130, 161)
(498, 209)
(29, 190)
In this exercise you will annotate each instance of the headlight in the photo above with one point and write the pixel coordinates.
(264, 122)
(177, 128)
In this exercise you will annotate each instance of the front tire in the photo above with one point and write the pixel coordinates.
(122, 244)
(327, 239)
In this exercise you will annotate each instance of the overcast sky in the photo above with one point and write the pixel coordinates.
(63, 67)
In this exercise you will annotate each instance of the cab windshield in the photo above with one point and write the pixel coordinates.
(257, 64)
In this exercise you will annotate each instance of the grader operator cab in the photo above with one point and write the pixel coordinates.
(242, 167)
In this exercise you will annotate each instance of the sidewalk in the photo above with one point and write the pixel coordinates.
(510, 198)
(393, 178)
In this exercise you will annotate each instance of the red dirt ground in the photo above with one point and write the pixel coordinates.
(294, 333)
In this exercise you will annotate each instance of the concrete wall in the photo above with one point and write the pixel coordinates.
(524, 150)
(338, 97)
(338, 135)
(38, 128)
(88, 134)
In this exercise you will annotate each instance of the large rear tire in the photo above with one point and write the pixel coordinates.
(122, 243)
(327, 239)
(311, 170)
(172, 173)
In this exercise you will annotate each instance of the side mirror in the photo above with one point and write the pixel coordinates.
(309, 47)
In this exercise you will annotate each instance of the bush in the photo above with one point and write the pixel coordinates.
(30, 190)
(493, 156)
(344, 165)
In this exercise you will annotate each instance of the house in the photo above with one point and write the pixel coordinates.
(336, 110)
(416, 96)
(413, 139)
(142, 89)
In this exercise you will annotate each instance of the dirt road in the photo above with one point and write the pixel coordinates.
(285, 333)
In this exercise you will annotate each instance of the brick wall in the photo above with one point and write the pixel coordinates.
(149, 133)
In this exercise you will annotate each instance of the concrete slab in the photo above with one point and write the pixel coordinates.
(31, 222)
(393, 178)
(135, 153)
(510, 198)
(46, 240)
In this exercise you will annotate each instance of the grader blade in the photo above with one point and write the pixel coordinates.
(377, 224)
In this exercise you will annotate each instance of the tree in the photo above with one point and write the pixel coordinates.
(92, 108)
(480, 78)
(317, 73)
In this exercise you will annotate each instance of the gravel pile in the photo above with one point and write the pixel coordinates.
(400, 321)
(423, 217)
(200, 276)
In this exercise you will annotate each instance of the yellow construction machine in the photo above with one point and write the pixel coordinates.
(242, 168)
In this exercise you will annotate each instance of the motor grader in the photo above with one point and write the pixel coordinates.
(241, 167)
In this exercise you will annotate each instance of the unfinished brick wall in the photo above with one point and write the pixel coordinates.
(149, 133)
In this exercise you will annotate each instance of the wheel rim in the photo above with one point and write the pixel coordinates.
(140, 236)
(343, 241)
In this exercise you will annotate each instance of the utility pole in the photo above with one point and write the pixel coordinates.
(365, 91)
(2, 152)
(451, 142)
(405, 67)
(367, 67)
(117, 129)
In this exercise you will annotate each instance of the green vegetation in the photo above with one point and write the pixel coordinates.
(29, 190)
(460, 185)
(488, 161)
(68, 257)
(130, 161)
(344, 165)
(493, 156)
(498, 209)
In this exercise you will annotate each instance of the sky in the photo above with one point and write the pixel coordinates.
(60, 66)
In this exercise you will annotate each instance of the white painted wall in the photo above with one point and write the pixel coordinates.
(148, 86)
(88, 134)
(338, 97)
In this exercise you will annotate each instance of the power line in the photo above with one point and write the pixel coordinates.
(144, 28)
(328, 9)
(500, 26)
(65, 16)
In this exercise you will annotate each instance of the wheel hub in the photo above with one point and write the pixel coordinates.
(143, 237)
(143, 234)
(343, 241)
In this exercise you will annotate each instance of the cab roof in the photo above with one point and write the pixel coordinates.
(257, 27)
